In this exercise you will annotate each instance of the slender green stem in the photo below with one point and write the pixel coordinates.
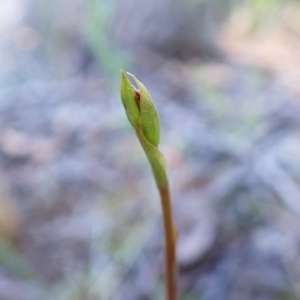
(170, 244)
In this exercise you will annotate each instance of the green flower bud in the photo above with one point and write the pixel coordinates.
(139, 105)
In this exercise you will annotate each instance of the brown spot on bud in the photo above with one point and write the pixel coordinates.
(137, 97)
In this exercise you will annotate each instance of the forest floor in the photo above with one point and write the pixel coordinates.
(79, 211)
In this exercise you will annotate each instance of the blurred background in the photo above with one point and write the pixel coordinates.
(79, 212)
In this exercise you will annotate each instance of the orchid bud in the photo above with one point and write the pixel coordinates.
(140, 107)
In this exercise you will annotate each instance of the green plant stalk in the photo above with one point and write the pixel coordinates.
(144, 118)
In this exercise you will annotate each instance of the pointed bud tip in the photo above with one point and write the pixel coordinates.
(123, 74)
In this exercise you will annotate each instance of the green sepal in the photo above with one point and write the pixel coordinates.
(128, 99)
